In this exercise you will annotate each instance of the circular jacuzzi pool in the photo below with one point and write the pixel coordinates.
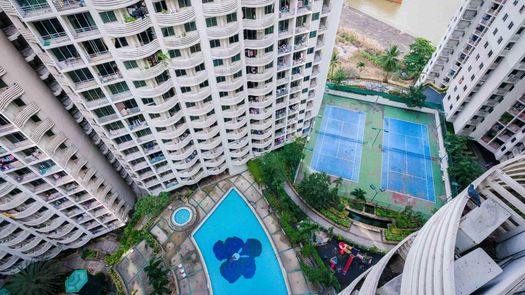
(181, 216)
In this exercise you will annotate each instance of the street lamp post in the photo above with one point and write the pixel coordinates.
(374, 188)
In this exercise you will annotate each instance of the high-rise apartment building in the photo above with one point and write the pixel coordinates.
(481, 64)
(178, 90)
(465, 247)
(57, 190)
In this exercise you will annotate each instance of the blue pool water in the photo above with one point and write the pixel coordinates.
(181, 216)
(237, 251)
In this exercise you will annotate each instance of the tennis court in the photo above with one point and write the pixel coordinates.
(407, 164)
(339, 144)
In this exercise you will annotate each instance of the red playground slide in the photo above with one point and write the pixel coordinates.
(347, 264)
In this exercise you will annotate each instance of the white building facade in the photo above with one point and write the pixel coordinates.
(480, 63)
(463, 248)
(57, 190)
(179, 90)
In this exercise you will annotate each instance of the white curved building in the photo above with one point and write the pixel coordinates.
(179, 90)
(57, 190)
(463, 248)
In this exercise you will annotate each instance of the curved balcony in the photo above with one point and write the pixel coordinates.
(268, 40)
(166, 105)
(51, 225)
(149, 73)
(215, 162)
(209, 144)
(7, 230)
(174, 42)
(39, 251)
(176, 18)
(196, 97)
(6, 264)
(116, 29)
(234, 112)
(26, 211)
(236, 123)
(240, 143)
(261, 102)
(267, 74)
(260, 60)
(28, 245)
(219, 8)
(230, 85)
(138, 52)
(226, 70)
(187, 62)
(39, 218)
(170, 134)
(192, 79)
(152, 91)
(471, 230)
(237, 98)
(263, 114)
(237, 153)
(265, 144)
(183, 164)
(261, 90)
(205, 134)
(183, 154)
(178, 144)
(106, 5)
(7, 95)
(15, 201)
(167, 121)
(254, 24)
(264, 135)
(203, 123)
(238, 134)
(260, 125)
(71, 237)
(211, 154)
(13, 240)
(256, 3)
(200, 109)
(224, 31)
(223, 52)
(193, 174)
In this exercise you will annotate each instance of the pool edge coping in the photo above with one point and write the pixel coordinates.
(268, 235)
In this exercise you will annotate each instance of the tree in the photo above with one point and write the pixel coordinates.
(463, 167)
(360, 66)
(38, 278)
(389, 60)
(417, 57)
(157, 277)
(339, 76)
(334, 63)
(359, 194)
(414, 96)
(315, 190)
(292, 154)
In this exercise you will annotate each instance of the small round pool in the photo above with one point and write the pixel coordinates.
(181, 216)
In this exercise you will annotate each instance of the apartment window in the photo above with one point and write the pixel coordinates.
(481, 66)
(80, 75)
(308, 65)
(195, 48)
(236, 57)
(139, 84)
(104, 111)
(477, 56)
(108, 16)
(130, 64)
(160, 6)
(221, 79)
(180, 72)
(510, 25)
(269, 66)
(218, 62)
(191, 26)
(486, 44)
(268, 30)
(268, 9)
(495, 31)
(174, 53)
(505, 17)
(185, 89)
(215, 43)
(167, 31)
(313, 34)
(121, 42)
(82, 22)
(211, 22)
(268, 49)
(490, 53)
(123, 139)
(48, 28)
(204, 84)
(118, 88)
(310, 50)
(184, 3)
(237, 75)
(233, 39)
(500, 39)
(93, 94)
(232, 17)
(65, 52)
(315, 16)
(248, 13)
(200, 68)
(162, 78)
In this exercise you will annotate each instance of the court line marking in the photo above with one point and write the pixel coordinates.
(424, 152)
(325, 120)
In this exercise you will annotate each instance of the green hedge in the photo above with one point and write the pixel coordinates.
(337, 217)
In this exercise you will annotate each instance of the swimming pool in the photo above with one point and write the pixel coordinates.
(181, 216)
(236, 251)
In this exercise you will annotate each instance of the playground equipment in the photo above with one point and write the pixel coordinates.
(348, 263)
(333, 262)
(344, 248)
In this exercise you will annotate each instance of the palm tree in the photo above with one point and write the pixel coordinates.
(38, 278)
(389, 60)
(157, 277)
(360, 66)
(334, 62)
(359, 194)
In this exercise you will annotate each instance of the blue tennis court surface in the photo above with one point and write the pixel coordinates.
(407, 165)
(340, 143)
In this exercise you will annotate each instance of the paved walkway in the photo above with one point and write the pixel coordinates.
(356, 234)
(377, 30)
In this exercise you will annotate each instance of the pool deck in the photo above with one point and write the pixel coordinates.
(178, 246)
